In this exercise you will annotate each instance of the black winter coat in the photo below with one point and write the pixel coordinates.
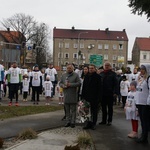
(91, 90)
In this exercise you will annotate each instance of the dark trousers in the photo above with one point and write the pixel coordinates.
(144, 114)
(124, 98)
(107, 108)
(13, 91)
(94, 107)
(53, 93)
(36, 91)
(25, 95)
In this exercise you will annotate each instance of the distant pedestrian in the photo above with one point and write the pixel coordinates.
(70, 82)
(1, 78)
(14, 80)
(51, 71)
(25, 86)
(131, 110)
(60, 94)
(124, 89)
(48, 87)
(36, 83)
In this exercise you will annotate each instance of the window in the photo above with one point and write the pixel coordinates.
(100, 46)
(114, 46)
(60, 45)
(105, 57)
(81, 45)
(75, 45)
(66, 45)
(75, 55)
(66, 55)
(114, 57)
(113, 65)
(106, 46)
(120, 46)
(60, 55)
(82, 56)
(144, 56)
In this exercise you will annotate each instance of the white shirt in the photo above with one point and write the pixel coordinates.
(48, 88)
(36, 78)
(51, 72)
(25, 83)
(131, 106)
(14, 74)
(124, 86)
(142, 92)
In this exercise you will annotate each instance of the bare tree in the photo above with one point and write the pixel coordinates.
(22, 23)
(40, 40)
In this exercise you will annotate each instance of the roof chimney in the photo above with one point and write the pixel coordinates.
(8, 29)
(107, 29)
(73, 27)
(124, 30)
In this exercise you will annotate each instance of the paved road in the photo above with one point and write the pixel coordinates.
(104, 137)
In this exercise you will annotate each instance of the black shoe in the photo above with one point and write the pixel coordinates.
(93, 127)
(64, 118)
(102, 123)
(72, 125)
(67, 125)
(86, 127)
(109, 124)
(142, 140)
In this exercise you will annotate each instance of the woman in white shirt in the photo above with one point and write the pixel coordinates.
(142, 97)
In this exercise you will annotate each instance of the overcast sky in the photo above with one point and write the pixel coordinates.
(82, 14)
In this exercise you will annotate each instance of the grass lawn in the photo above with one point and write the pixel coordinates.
(10, 112)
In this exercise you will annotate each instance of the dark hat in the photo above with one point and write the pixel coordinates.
(36, 65)
(134, 83)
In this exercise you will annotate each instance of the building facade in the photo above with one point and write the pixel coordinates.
(77, 46)
(141, 51)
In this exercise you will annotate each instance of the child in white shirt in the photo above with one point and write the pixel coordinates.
(25, 86)
(131, 110)
(60, 94)
(48, 87)
(124, 88)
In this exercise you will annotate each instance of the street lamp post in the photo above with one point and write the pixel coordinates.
(78, 50)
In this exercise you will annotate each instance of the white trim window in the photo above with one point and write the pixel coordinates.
(82, 56)
(114, 57)
(114, 65)
(144, 56)
(66, 55)
(66, 45)
(121, 46)
(60, 45)
(105, 57)
(60, 55)
(75, 55)
(114, 46)
(106, 46)
(81, 45)
(75, 45)
(100, 46)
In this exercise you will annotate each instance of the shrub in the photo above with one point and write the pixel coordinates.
(27, 134)
(84, 140)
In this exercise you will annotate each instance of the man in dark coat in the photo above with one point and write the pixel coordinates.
(109, 90)
(91, 93)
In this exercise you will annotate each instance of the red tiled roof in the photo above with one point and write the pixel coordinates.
(143, 43)
(11, 36)
(92, 34)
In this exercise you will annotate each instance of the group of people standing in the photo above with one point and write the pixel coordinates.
(25, 79)
(99, 87)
